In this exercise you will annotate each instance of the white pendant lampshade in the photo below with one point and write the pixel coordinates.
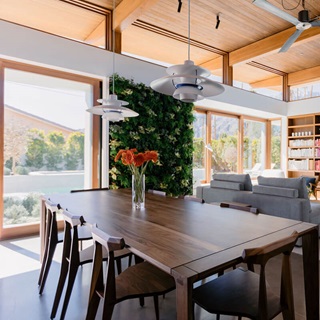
(112, 109)
(187, 82)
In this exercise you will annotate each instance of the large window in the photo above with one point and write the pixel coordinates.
(218, 148)
(199, 142)
(224, 143)
(254, 147)
(47, 140)
(275, 144)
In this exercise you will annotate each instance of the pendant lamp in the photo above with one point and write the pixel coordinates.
(112, 109)
(187, 82)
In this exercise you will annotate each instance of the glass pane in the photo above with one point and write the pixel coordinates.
(275, 144)
(305, 91)
(254, 147)
(199, 140)
(224, 143)
(43, 140)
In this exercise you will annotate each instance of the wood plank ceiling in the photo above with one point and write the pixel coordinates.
(155, 30)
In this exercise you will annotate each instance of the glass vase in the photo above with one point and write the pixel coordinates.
(138, 191)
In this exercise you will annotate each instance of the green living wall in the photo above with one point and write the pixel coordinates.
(164, 124)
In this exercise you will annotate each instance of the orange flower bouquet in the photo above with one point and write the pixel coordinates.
(137, 162)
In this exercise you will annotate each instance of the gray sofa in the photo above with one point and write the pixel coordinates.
(282, 197)
(225, 187)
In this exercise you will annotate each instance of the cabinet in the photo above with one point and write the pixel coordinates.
(304, 145)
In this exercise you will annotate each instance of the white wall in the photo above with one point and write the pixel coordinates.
(304, 107)
(31, 46)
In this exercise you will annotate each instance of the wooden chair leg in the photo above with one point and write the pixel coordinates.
(71, 278)
(93, 306)
(107, 312)
(156, 306)
(62, 280)
(46, 264)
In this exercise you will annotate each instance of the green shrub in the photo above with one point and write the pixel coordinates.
(31, 201)
(16, 214)
(6, 171)
(21, 170)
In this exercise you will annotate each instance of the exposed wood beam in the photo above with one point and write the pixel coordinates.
(304, 76)
(269, 45)
(128, 11)
(214, 64)
(97, 36)
(274, 82)
(227, 71)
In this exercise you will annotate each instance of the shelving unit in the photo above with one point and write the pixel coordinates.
(304, 145)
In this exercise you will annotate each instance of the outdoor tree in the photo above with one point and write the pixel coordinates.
(55, 145)
(14, 143)
(36, 149)
(74, 152)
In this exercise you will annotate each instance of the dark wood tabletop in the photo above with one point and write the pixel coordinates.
(190, 240)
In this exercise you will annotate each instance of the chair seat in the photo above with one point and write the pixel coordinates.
(132, 282)
(234, 293)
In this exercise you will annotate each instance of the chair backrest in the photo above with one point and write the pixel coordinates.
(158, 192)
(111, 244)
(71, 235)
(239, 207)
(51, 223)
(261, 256)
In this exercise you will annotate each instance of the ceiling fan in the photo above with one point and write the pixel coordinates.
(302, 23)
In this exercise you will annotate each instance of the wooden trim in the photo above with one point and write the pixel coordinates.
(208, 154)
(285, 88)
(118, 42)
(227, 71)
(266, 68)
(1, 145)
(177, 37)
(268, 144)
(240, 145)
(88, 6)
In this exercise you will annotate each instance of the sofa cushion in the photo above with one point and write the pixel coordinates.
(227, 185)
(291, 183)
(232, 177)
(276, 191)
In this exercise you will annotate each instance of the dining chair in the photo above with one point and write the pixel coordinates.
(52, 238)
(244, 293)
(73, 257)
(138, 281)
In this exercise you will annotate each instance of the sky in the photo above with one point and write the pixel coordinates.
(58, 100)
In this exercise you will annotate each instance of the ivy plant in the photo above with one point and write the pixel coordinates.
(164, 124)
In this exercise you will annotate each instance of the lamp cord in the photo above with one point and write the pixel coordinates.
(188, 29)
(113, 46)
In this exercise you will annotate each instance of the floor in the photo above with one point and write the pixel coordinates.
(19, 298)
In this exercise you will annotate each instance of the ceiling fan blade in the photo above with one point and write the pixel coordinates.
(290, 41)
(263, 4)
(315, 23)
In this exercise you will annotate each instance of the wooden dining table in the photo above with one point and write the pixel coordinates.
(190, 240)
